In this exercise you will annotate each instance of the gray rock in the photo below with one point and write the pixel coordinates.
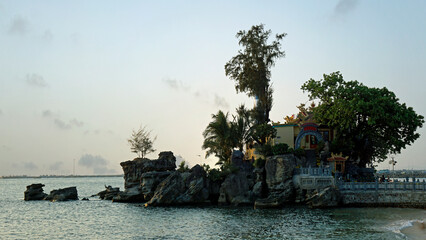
(134, 169)
(182, 188)
(150, 181)
(63, 194)
(279, 169)
(278, 196)
(34, 192)
(132, 194)
(235, 189)
(168, 190)
(109, 193)
(325, 198)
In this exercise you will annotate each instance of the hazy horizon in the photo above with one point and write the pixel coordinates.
(77, 77)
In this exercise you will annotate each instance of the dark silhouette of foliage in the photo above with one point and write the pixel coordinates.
(370, 122)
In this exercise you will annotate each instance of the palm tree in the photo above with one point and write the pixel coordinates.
(241, 127)
(218, 138)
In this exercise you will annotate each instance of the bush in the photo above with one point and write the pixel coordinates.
(259, 163)
(299, 152)
(183, 167)
(280, 149)
(265, 150)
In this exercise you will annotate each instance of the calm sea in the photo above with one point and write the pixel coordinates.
(96, 219)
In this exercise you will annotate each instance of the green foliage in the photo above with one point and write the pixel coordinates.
(220, 174)
(300, 152)
(183, 167)
(370, 121)
(259, 163)
(141, 142)
(280, 149)
(218, 137)
(265, 150)
(250, 68)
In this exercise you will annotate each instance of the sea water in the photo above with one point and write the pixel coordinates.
(98, 219)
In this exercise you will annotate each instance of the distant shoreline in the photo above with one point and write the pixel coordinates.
(59, 176)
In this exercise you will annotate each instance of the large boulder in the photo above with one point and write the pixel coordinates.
(182, 188)
(134, 169)
(236, 189)
(281, 193)
(63, 194)
(131, 194)
(34, 192)
(168, 190)
(150, 181)
(279, 169)
(279, 174)
(109, 193)
(325, 198)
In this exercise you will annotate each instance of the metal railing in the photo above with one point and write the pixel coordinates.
(319, 171)
(375, 186)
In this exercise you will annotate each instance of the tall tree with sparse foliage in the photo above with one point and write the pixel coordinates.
(251, 71)
(141, 142)
(370, 122)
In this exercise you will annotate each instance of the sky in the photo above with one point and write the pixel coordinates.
(76, 77)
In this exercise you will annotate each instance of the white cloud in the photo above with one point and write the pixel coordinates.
(220, 101)
(97, 163)
(36, 80)
(18, 26)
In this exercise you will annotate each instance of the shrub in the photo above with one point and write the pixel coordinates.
(280, 149)
(299, 152)
(259, 163)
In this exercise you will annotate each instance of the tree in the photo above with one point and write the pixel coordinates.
(241, 128)
(370, 122)
(218, 137)
(221, 135)
(141, 142)
(250, 69)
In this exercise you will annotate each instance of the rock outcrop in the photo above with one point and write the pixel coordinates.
(34, 192)
(64, 194)
(182, 188)
(109, 193)
(325, 198)
(237, 188)
(278, 177)
(141, 176)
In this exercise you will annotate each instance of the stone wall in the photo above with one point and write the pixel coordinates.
(384, 198)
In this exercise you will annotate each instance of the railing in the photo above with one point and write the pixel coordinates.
(319, 171)
(375, 186)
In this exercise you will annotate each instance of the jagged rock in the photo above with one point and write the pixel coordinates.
(238, 162)
(139, 187)
(34, 192)
(279, 169)
(150, 181)
(134, 169)
(235, 189)
(64, 194)
(168, 190)
(327, 197)
(278, 196)
(109, 193)
(132, 194)
(182, 188)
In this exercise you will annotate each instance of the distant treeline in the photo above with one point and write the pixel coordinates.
(61, 176)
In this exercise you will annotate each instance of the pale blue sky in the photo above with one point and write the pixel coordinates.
(77, 76)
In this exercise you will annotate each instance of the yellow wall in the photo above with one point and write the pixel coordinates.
(285, 134)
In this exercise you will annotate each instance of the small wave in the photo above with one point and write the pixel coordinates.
(415, 230)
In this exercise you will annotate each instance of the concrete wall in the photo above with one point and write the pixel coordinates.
(385, 198)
